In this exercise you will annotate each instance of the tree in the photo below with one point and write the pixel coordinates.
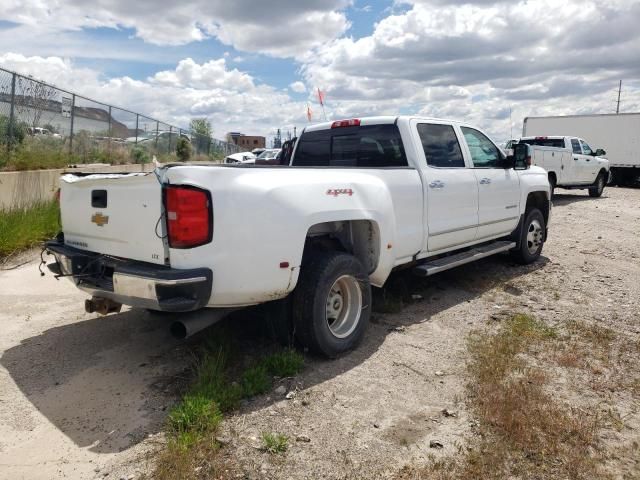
(33, 99)
(183, 149)
(201, 132)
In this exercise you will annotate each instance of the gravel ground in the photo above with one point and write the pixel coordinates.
(83, 396)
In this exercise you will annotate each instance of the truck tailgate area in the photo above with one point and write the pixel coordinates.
(115, 214)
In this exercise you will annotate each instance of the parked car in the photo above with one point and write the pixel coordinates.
(618, 134)
(269, 157)
(360, 198)
(570, 163)
(39, 131)
(241, 157)
(160, 136)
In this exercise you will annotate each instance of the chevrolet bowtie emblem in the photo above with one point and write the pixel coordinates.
(100, 219)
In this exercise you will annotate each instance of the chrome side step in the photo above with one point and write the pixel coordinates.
(445, 263)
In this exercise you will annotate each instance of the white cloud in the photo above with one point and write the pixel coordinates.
(280, 27)
(229, 98)
(54, 70)
(464, 59)
(471, 60)
(298, 87)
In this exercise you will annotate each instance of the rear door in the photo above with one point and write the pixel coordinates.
(450, 187)
(498, 187)
(119, 215)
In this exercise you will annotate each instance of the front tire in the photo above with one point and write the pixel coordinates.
(531, 238)
(598, 186)
(331, 303)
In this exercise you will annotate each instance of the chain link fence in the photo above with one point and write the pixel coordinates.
(42, 126)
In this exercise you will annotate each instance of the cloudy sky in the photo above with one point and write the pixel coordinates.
(252, 65)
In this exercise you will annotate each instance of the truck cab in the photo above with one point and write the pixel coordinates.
(570, 162)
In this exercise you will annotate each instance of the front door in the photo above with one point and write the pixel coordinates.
(451, 189)
(592, 167)
(498, 187)
(581, 164)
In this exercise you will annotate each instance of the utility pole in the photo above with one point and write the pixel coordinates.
(619, 91)
(510, 125)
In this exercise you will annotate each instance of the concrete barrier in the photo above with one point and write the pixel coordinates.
(26, 188)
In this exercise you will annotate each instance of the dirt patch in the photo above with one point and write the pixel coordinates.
(368, 414)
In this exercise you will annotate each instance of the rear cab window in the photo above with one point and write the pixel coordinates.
(367, 146)
(544, 142)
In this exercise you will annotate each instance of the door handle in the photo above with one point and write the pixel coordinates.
(436, 184)
(485, 181)
(576, 158)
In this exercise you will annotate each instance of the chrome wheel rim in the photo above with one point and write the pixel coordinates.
(343, 306)
(534, 236)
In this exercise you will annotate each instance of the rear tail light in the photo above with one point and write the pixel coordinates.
(189, 216)
(353, 122)
(528, 160)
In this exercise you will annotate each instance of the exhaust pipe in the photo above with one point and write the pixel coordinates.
(193, 322)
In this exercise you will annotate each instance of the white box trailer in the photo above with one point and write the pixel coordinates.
(616, 134)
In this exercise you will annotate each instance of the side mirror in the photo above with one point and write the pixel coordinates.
(600, 152)
(521, 158)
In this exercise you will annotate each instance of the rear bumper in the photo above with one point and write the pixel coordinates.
(133, 283)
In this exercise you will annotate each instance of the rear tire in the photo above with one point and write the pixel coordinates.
(531, 238)
(598, 187)
(331, 303)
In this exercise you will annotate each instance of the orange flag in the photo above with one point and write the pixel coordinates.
(309, 112)
(321, 97)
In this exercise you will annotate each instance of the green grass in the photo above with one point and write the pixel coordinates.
(212, 393)
(193, 418)
(284, 364)
(255, 380)
(274, 443)
(21, 229)
(258, 379)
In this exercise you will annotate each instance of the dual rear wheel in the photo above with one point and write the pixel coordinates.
(331, 305)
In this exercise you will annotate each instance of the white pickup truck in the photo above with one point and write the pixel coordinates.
(570, 163)
(358, 199)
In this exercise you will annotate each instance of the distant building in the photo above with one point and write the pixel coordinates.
(246, 142)
(37, 112)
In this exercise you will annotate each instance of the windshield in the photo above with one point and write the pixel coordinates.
(268, 154)
(544, 142)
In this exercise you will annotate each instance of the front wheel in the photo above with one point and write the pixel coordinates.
(531, 238)
(331, 303)
(598, 187)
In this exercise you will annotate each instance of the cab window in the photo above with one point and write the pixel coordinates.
(440, 145)
(484, 153)
(586, 149)
(575, 145)
(372, 146)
